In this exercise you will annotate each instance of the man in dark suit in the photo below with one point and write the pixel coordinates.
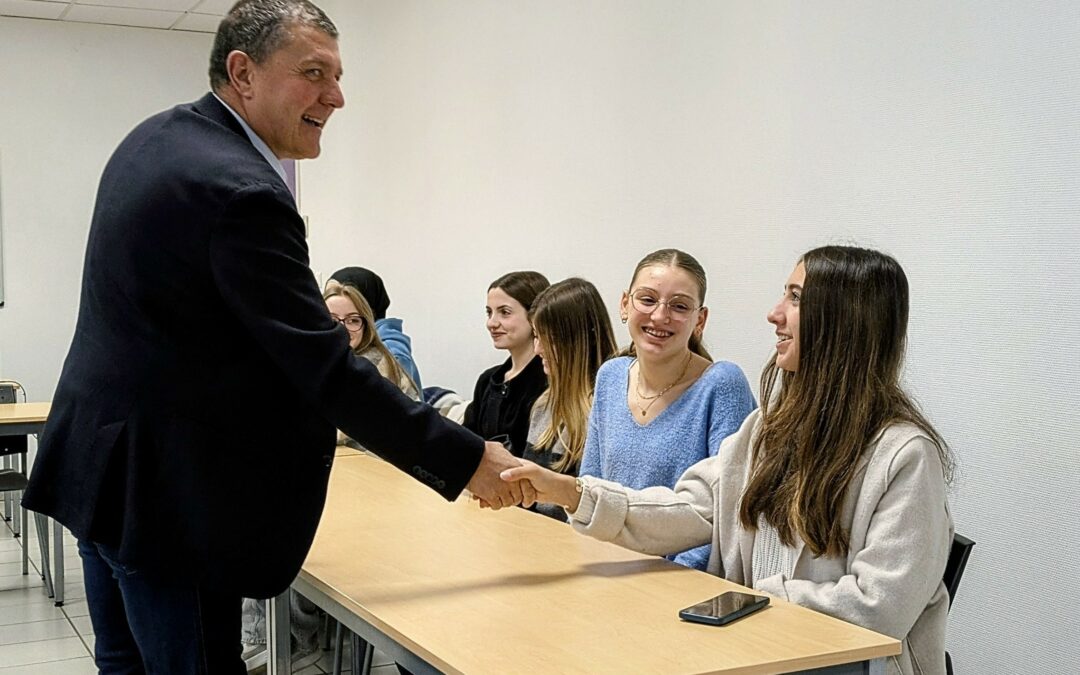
(206, 375)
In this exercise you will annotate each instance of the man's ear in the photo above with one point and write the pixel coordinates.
(241, 70)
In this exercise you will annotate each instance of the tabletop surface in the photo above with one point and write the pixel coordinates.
(22, 413)
(475, 591)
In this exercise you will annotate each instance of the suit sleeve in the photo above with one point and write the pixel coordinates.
(259, 260)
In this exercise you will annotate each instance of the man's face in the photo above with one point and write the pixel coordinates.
(294, 91)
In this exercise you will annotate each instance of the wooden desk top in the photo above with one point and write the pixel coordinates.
(481, 592)
(24, 413)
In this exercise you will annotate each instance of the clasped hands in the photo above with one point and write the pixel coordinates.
(503, 480)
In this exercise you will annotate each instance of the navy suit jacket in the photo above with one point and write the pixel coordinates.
(193, 426)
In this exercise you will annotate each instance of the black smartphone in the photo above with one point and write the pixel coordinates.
(724, 608)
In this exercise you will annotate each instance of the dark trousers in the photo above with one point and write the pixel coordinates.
(145, 625)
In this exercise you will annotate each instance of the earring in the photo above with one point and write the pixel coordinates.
(624, 319)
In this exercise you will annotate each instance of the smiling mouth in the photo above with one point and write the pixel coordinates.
(781, 339)
(656, 333)
(314, 121)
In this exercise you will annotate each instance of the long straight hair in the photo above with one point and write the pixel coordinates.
(575, 333)
(853, 317)
(370, 338)
(673, 257)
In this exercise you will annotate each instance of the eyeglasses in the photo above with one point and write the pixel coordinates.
(679, 307)
(353, 322)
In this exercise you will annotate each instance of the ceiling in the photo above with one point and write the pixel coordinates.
(202, 16)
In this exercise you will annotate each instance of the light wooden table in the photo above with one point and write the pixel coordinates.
(453, 589)
(26, 419)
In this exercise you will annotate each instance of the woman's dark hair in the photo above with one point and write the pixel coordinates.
(853, 317)
(521, 286)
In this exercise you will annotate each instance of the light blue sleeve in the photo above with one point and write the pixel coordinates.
(732, 402)
(400, 347)
(590, 456)
(695, 558)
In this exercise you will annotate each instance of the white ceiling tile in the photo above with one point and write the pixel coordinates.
(167, 5)
(32, 9)
(119, 16)
(214, 6)
(202, 23)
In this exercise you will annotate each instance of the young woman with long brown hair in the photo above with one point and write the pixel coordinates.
(573, 336)
(833, 494)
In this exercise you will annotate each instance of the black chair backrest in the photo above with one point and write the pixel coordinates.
(954, 569)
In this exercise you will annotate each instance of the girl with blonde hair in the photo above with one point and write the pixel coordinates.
(573, 336)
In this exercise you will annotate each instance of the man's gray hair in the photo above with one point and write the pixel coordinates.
(258, 28)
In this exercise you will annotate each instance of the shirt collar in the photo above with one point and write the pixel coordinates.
(262, 147)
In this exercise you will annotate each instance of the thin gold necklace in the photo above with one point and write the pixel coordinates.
(654, 399)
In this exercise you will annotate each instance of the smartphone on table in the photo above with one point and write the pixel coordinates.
(724, 608)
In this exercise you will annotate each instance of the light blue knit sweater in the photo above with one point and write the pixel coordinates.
(687, 431)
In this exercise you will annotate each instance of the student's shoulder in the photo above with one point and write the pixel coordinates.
(725, 374)
(614, 366)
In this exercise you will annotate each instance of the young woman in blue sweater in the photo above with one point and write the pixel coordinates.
(665, 404)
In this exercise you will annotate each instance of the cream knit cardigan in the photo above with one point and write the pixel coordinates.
(896, 513)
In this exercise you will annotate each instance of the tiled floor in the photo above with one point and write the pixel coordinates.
(37, 638)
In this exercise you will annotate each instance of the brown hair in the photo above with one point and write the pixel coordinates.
(521, 286)
(575, 331)
(370, 339)
(673, 257)
(852, 335)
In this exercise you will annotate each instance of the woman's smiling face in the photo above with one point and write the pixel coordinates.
(663, 309)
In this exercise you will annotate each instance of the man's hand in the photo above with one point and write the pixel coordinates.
(492, 490)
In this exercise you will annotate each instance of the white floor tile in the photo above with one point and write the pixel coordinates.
(40, 611)
(43, 651)
(83, 666)
(36, 631)
(19, 582)
(13, 569)
(28, 595)
(82, 625)
(76, 608)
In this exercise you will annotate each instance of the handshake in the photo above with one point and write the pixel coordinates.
(503, 480)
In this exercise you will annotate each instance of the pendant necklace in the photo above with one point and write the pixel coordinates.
(653, 399)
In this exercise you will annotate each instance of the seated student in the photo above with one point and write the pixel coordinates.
(350, 308)
(505, 394)
(665, 405)
(390, 330)
(573, 337)
(833, 495)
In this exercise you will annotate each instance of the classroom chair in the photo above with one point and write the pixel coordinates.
(954, 569)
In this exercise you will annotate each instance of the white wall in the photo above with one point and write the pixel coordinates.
(70, 92)
(573, 137)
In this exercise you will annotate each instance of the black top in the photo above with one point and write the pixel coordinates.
(502, 409)
(205, 373)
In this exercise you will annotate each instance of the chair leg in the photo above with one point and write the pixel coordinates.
(369, 656)
(360, 648)
(339, 647)
(327, 621)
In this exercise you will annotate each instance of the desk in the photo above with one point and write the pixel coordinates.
(453, 589)
(25, 419)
